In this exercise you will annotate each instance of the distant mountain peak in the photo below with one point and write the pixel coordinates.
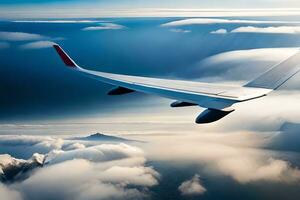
(103, 137)
(98, 135)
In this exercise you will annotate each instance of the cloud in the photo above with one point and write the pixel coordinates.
(40, 42)
(220, 31)
(75, 145)
(77, 171)
(177, 30)
(206, 21)
(19, 36)
(85, 180)
(9, 194)
(270, 30)
(240, 156)
(37, 45)
(57, 21)
(232, 65)
(273, 170)
(99, 153)
(192, 187)
(104, 26)
(4, 45)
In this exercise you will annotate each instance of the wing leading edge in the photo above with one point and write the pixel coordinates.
(217, 98)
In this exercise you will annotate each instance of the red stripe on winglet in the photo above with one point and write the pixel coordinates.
(66, 59)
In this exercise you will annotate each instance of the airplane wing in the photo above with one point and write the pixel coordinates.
(217, 98)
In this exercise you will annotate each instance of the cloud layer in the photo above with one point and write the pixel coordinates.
(232, 65)
(240, 156)
(99, 171)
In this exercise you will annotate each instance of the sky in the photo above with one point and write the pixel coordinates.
(48, 111)
(37, 88)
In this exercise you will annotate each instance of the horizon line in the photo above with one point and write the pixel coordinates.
(12, 13)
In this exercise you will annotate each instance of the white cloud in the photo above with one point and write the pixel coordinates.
(192, 187)
(263, 54)
(81, 179)
(16, 140)
(232, 65)
(4, 45)
(205, 21)
(37, 45)
(104, 26)
(19, 36)
(86, 180)
(57, 21)
(145, 176)
(75, 145)
(271, 30)
(98, 153)
(220, 31)
(246, 169)
(178, 30)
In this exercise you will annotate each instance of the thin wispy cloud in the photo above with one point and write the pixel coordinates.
(178, 30)
(37, 45)
(104, 26)
(20, 36)
(205, 21)
(58, 21)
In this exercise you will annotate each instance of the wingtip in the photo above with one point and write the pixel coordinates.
(64, 56)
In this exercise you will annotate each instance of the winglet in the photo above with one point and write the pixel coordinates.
(64, 56)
